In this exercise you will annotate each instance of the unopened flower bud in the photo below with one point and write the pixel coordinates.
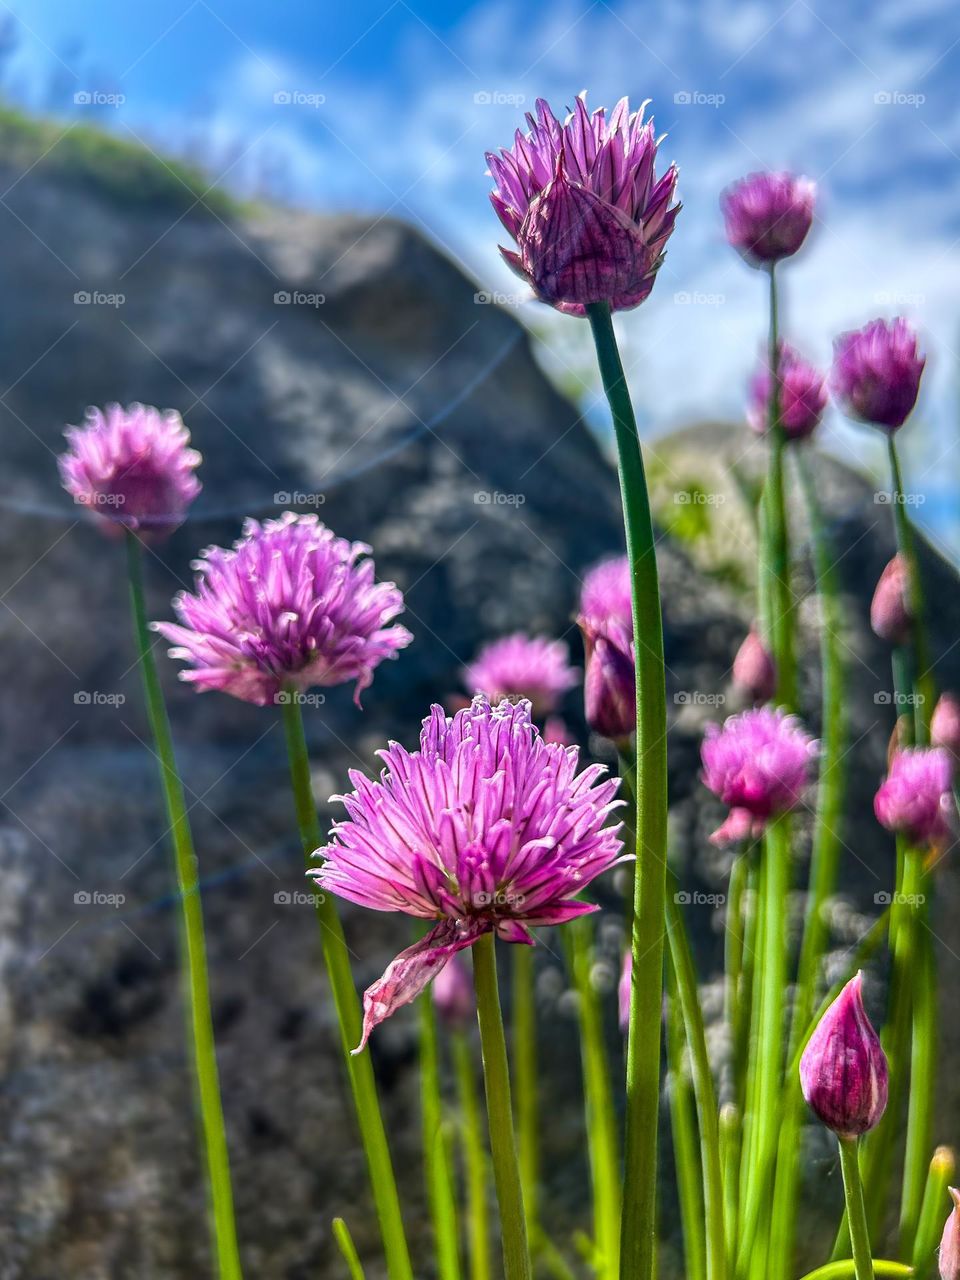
(609, 685)
(950, 1241)
(945, 725)
(843, 1070)
(754, 670)
(890, 611)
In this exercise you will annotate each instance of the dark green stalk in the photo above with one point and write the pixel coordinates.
(337, 960)
(920, 1104)
(475, 1159)
(906, 545)
(196, 984)
(686, 1157)
(638, 1227)
(856, 1214)
(526, 1084)
(436, 1156)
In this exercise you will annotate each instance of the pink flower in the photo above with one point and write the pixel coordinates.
(803, 396)
(843, 1070)
(610, 683)
(605, 596)
(522, 666)
(890, 615)
(758, 763)
(132, 469)
(876, 372)
(289, 607)
(916, 797)
(754, 670)
(768, 215)
(486, 828)
(585, 207)
(556, 730)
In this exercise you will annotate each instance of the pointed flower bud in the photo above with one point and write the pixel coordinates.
(945, 725)
(890, 615)
(803, 396)
(915, 798)
(625, 990)
(609, 686)
(843, 1070)
(453, 993)
(876, 372)
(768, 215)
(950, 1241)
(754, 670)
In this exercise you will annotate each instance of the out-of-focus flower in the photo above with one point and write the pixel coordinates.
(624, 991)
(132, 468)
(916, 798)
(890, 615)
(876, 372)
(522, 666)
(843, 1070)
(453, 994)
(487, 828)
(605, 596)
(950, 1241)
(556, 730)
(754, 670)
(585, 207)
(945, 725)
(289, 607)
(768, 215)
(758, 763)
(610, 682)
(803, 396)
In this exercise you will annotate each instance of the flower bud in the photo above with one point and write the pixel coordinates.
(876, 372)
(754, 670)
(945, 725)
(767, 215)
(609, 685)
(453, 994)
(889, 611)
(843, 1070)
(950, 1241)
(624, 991)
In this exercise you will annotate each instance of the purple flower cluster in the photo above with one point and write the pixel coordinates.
(768, 215)
(583, 203)
(485, 828)
(916, 798)
(802, 401)
(876, 372)
(289, 607)
(522, 666)
(132, 468)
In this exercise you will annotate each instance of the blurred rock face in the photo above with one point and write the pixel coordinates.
(343, 366)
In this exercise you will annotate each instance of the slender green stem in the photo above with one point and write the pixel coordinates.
(348, 1249)
(906, 545)
(730, 1161)
(776, 552)
(733, 962)
(703, 1087)
(503, 1148)
(194, 947)
(526, 1084)
(846, 1270)
(856, 1213)
(436, 1156)
(638, 1225)
(600, 1116)
(923, 1055)
(474, 1158)
(686, 1156)
(337, 961)
(936, 1200)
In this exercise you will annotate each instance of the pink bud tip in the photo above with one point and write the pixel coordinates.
(950, 1241)
(889, 610)
(945, 724)
(843, 1070)
(754, 670)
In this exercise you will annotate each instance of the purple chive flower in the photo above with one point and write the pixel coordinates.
(890, 615)
(915, 798)
(453, 994)
(290, 606)
(556, 730)
(945, 725)
(610, 683)
(768, 215)
(876, 372)
(758, 763)
(843, 1070)
(487, 828)
(754, 670)
(803, 396)
(522, 666)
(585, 207)
(625, 991)
(605, 596)
(949, 1260)
(132, 468)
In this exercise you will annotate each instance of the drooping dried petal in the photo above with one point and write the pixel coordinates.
(843, 1069)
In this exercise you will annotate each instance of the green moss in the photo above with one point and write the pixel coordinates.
(126, 171)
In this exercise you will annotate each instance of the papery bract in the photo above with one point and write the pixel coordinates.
(876, 372)
(768, 215)
(843, 1069)
(522, 666)
(802, 399)
(291, 606)
(583, 203)
(916, 796)
(487, 828)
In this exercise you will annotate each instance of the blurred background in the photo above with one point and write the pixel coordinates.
(274, 219)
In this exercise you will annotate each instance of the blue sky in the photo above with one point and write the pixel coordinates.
(398, 100)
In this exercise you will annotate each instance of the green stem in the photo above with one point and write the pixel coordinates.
(906, 545)
(475, 1159)
(933, 1211)
(638, 1225)
(526, 1083)
(337, 961)
(496, 1075)
(923, 1054)
(191, 914)
(686, 1157)
(730, 1161)
(733, 948)
(703, 1087)
(436, 1157)
(856, 1213)
(348, 1250)
(846, 1270)
(776, 552)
